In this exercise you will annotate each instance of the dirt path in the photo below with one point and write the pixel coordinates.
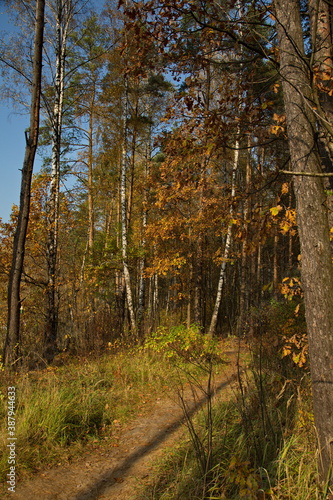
(116, 473)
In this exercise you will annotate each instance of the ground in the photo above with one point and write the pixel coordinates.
(120, 469)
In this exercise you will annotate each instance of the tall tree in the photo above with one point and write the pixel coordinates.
(312, 215)
(123, 208)
(63, 16)
(12, 342)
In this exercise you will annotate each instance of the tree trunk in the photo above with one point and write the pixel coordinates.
(91, 221)
(244, 274)
(317, 270)
(51, 327)
(142, 261)
(227, 247)
(12, 342)
(275, 264)
(127, 277)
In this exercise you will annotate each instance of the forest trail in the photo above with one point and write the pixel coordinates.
(119, 471)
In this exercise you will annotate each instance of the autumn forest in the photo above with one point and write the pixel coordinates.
(186, 179)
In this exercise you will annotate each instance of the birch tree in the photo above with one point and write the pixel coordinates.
(124, 224)
(63, 15)
(228, 241)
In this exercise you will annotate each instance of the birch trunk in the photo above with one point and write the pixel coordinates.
(123, 205)
(226, 253)
(91, 228)
(51, 327)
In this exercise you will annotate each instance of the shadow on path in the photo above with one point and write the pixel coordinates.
(109, 478)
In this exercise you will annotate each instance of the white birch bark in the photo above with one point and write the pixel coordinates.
(227, 247)
(63, 16)
(123, 205)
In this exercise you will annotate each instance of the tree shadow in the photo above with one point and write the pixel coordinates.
(110, 477)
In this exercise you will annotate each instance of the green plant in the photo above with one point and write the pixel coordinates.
(182, 343)
(188, 347)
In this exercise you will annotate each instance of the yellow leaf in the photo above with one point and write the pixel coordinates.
(285, 228)
(285, 188)
(286, 351)
(275, 210)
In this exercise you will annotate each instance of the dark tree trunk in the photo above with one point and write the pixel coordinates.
(12, 343)
(317, 270)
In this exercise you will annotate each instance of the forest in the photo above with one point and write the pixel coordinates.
(186, 185)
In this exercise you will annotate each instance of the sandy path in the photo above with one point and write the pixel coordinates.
(115, 473)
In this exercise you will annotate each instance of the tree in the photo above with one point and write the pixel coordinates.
(12, 342)
(63, 13)
(312, 218)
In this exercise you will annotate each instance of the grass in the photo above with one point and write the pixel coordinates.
(60, 410)
(265, 454)
(261, 444)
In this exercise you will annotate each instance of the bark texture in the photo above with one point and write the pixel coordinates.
(12, 342)
(317, 271)
(124, 228)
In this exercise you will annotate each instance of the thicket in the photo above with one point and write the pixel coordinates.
(171, 183)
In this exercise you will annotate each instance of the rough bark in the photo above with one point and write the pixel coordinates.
(320, 14)
(12, 342)
(317, 271)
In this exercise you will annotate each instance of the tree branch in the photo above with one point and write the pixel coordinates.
(306, 174)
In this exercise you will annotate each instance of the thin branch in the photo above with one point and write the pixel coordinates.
(306, 174)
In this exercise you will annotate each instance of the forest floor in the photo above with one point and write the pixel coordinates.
(124, 464)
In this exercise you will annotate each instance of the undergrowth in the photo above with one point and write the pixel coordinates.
(60, 410)
(236, 472)
(263, 443)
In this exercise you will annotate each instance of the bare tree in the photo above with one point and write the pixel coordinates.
(12, 342)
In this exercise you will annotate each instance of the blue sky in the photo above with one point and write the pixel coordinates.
(12, 146)
(12, 139)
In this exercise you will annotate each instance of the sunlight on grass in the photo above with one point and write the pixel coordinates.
(63, 408)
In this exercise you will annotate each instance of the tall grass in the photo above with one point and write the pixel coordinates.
(238, 470)
(264, 442)
(61, 409)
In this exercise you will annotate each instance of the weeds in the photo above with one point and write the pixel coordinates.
(61, 409)
(263, 444)
(288, 474)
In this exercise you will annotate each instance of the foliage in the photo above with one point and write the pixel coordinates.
(280, 328)
(179, 342)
